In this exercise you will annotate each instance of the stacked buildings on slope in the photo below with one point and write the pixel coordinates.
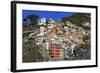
(58, 42)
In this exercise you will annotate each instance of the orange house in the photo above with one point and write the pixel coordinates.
(55, 52)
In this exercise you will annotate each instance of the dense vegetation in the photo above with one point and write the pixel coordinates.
(31, 51)
(78, 19)
(33, 22)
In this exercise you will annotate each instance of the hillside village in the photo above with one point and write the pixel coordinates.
(57, 40)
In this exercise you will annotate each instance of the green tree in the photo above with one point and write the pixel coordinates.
(33, 22)
(34, 18)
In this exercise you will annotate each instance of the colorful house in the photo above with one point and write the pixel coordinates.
(56, 52)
